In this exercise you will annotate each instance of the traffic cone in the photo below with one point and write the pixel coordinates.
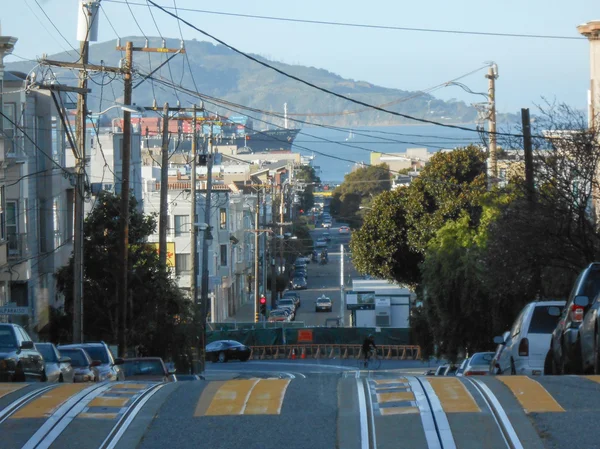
(303, 356)
(293, 354)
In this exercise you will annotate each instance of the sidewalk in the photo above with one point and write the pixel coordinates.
(245, 314)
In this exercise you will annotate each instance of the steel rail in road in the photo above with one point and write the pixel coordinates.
(125, 421)
(63, 416)
(502, 421)
(17, 404)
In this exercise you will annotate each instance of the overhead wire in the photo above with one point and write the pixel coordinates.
(47, 30)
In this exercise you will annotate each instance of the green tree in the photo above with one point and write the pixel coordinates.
(358, 190)
(306, 175)
(380, 247)
(157, 310)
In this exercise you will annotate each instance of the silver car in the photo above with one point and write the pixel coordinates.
(58, 368)
(109, 367)
(84, 368)
(323, 303)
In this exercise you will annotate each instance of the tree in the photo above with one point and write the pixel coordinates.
(305, 174)
(380, 247)
(358, 190)
(156, 306)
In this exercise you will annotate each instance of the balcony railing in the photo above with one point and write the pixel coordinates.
(17, 246)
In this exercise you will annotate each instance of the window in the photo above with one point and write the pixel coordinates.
(10, 128)
(182, 263)
(182, 224)
(222, 218)
(2, 215)
(223, 255)
(12, 228)
(541, 321)
(56, 222)
(58, 142)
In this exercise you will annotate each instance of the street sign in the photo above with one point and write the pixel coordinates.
(14, 310)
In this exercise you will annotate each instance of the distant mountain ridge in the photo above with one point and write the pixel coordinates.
(221, 73)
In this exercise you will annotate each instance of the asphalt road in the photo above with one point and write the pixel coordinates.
(306, 404)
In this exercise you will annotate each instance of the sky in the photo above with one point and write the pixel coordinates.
(530, 70)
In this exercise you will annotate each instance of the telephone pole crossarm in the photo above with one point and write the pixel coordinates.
(85, 67)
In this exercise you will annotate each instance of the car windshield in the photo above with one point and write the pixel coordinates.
(47, 352)
(321, 300)
(214, 346)
(286, 302)
(592, 284)
(143, 368)
(277, 312)
(483, 358)
(78, 358)
(542, 322)
(97, 353)
(7, 337)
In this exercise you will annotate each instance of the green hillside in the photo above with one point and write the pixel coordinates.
(221, 73)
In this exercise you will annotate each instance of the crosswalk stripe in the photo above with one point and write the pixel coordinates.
(395, 397)
(531, 394)
(453, 395)
(266, 397)
(232, 397)
(399, 410)
(46, 404)
(10, 388)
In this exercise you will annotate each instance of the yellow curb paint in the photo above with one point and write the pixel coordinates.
(593, 378)
(46, 404)
(395, 397)
(98, 415)
(10, 388)
(531, 394)
(398, 410)
(101, 401)
(454, 396)
(267, 397)
(231, 398)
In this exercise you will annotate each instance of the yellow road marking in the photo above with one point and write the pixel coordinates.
(10, 388)
(593, 378)
(231, 398)
(267, 397)
(390, 387)
(131, 386)
(395, 397)
(108, 402)
(532, 396)
(399, 380)
(98, 415)
(398, 410)
(46, 404)
(454, 396)
(207, 396)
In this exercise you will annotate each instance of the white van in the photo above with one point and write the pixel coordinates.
(529, 339)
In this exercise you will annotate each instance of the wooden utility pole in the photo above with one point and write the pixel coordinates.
(122, 295)
(122, 285)
(492, 75)
(256, 254)
(81, 128)
(528, 150)
(193, 219)
(207, 220)
(281, 221)
(163, 221)
(273, 273)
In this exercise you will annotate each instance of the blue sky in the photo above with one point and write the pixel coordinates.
(529, 69)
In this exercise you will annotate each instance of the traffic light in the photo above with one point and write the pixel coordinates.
(263, 305)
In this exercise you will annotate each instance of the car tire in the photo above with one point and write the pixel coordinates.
(222, 357)
(61, 379)
(548, 364)
(513, 369)
(596, 355)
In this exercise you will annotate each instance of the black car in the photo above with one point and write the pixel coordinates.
(223, 350)
(564, 356)
(19, 360)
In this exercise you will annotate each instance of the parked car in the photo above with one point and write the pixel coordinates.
(301, 272)
(186, 377)
(441, 370)
(278, 315)
(323, 303)
(147, 369)
(19, 360)
(478, 364)
(294, 295)
(461, 368)
(321, 243)
(299, 283)
(84, 368)
(529, 341)
(494, 365)
(58, 367)
(109, 368)
(589, 335)
(223, 350)
(344, 230)
(565, 347)
(326, 236)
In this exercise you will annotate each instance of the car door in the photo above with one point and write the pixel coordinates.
(512, 344)
(65, 367)
(28, 356)
(587, 333)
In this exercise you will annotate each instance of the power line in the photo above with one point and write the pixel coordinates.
(322, 89)
(362, 25)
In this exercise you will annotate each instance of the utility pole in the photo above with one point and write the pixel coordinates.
(528, 150)
(281, 221)
(194, 228)
(492, 76)
(207, 214)
(273, 274)
(265, 251)
(342, 323)
(256, 252)
(124, 216)
(81, 128)
(163, 222)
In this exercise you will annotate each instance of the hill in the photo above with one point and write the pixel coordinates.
(221, 73)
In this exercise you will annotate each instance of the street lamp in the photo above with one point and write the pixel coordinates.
(133, 109)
